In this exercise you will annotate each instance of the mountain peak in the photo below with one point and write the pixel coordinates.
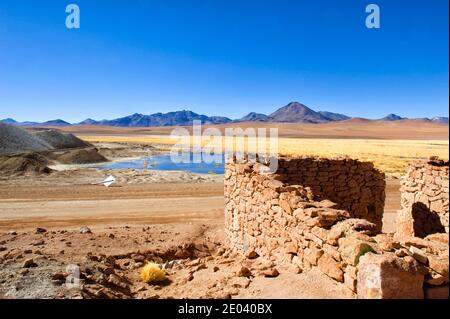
(254, 117)
(8, 121)
(296, 112)
(392, 117)
(88, 121)
(57, 122)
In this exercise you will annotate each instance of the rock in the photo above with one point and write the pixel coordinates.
(386, 243)
(438, 237)
(168, 265)
(313, 254)
(439, 264)
(107, 270)
(24, 271)
(435, 279)
(61, 276)
(85, 230)
(418, 254)
(251, 254)
(240, 282)
(29, 263)
(436, 292)
(407, 241)
(331, 268)
(350, 282)
(38, 242)
(3, 248)
(184, 280)
(138, 258)
(328, 217)
(401, 252)
(12, 233)
(111, 235)
(40, 230)
(352, 248)
(271, 273)
(288, 268)
(387, 276)
(193, 263)
(119, 281)
(243, 272)
(216, 269)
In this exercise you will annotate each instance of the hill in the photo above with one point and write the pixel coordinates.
(392, 117)
(254, 117)
(179, 118)
(296, 112)
(14, 139)
(59, 140)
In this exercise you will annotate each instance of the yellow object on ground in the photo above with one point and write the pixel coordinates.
(152, 273)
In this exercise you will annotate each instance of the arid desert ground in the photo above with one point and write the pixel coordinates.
(174, 218)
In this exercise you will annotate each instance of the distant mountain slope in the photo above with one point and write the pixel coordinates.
(296, 112)
(8, 121)
(88, 122)
(440, 119)
(334, 116)
(254, 117)
(57, 122)
(392, 117)
(179, 118)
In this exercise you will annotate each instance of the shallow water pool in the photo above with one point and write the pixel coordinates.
(165, 163)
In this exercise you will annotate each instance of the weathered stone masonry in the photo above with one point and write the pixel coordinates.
(354, 186)
(327, 213)
(425, 199)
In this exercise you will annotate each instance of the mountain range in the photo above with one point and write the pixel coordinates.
(293, 112)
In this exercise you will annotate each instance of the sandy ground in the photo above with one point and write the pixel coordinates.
(110, 259)
(132, 223)
(172, 218)
(354, 128)
(25, 203)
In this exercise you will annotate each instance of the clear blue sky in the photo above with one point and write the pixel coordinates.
(222, 57)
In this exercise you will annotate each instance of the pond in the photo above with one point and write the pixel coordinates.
(164, 163)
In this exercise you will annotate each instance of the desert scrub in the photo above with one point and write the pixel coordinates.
(388, 155)
(152, 273)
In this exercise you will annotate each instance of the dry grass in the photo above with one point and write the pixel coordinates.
(152, 273)
(388, 155)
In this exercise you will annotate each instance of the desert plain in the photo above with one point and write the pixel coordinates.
(49, 222)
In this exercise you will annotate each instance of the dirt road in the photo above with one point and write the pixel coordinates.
(29, 207)
(26, 207)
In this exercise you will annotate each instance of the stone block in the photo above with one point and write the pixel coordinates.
(389, 277)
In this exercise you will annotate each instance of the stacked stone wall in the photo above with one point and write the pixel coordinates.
(309, 214)
(424, 199)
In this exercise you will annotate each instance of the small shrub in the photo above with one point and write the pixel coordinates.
(152, 273)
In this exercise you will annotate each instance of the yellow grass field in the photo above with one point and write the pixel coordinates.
(388, 155)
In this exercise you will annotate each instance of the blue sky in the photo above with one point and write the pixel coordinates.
(222, 57)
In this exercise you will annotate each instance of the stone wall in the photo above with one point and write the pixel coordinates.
(424, 199)
(353, 185)
(289, 218)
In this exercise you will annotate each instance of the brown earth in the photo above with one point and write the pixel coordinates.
(154, 220)
(354, 128)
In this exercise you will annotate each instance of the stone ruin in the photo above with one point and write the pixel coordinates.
(327, 213)
(424, 199)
